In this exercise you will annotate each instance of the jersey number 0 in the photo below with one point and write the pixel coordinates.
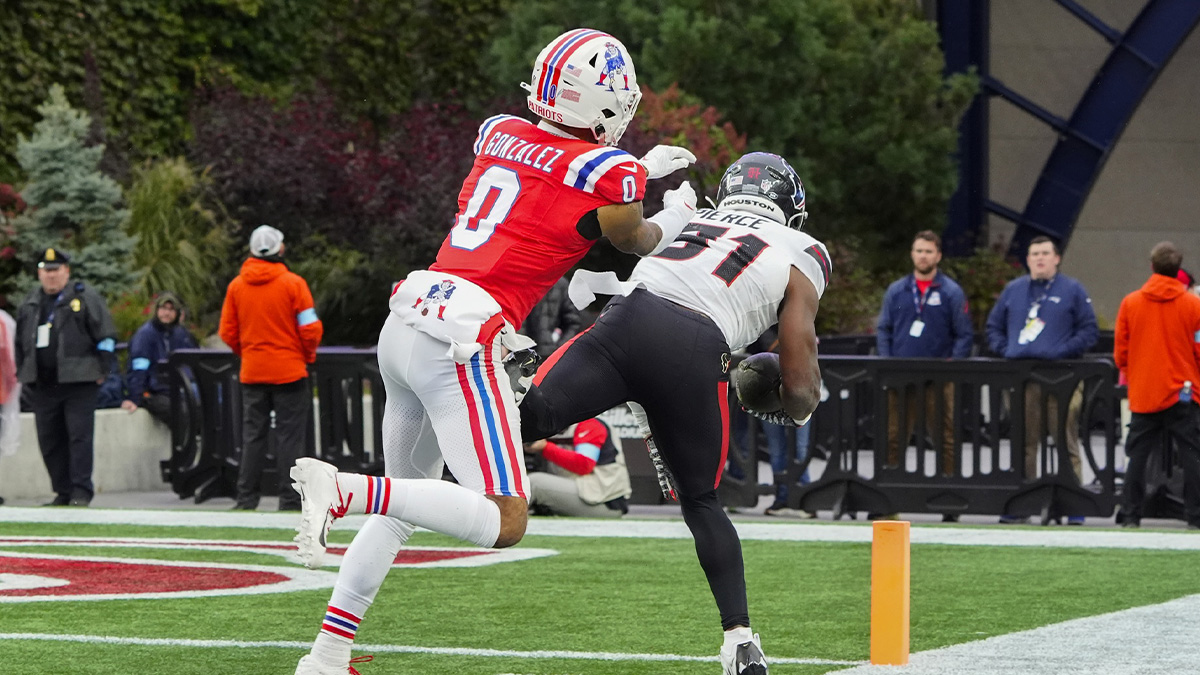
(495, 193)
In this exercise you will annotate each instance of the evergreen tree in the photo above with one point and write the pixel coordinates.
(72, 205)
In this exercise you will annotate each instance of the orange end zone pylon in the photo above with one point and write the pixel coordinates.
(889, 592)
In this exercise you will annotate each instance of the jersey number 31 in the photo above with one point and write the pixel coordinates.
(696, 239)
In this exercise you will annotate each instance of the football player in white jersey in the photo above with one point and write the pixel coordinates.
(664, 343)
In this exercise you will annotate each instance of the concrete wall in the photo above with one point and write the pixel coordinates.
(1148, 190)
(128, 448)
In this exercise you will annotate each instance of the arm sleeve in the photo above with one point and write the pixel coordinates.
(1121, 340)
(883, 330)
(309, 325)
(1085, 332)
(568, 319)
(140, 364)
(568, 459)
(964, 332)
(228, 330)
(997, 324)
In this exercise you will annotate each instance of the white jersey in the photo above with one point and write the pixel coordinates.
(733, 266)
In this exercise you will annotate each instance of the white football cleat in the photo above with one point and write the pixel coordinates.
(316, 481)
(746, 659)
(309, 665)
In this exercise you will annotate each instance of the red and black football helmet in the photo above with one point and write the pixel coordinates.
(764, 184)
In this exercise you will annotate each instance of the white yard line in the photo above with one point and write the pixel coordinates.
(1153, 639)
(642, 529)
(396, 649)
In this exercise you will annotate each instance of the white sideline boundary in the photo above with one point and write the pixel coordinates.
(1059, 537)
(398, 649)
(1142, 640)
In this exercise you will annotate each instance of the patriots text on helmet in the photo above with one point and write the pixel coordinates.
(545, 111)
(513, 149)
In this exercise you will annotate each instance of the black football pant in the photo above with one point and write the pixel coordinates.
(675, 363)
(292, 403)
(1147, 432)
(65, 417)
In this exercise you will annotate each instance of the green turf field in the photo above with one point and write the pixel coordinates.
(597, 595)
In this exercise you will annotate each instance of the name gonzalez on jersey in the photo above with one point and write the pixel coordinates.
(513, 149)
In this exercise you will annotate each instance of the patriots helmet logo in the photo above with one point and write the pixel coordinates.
(438, 295)
(614, 66)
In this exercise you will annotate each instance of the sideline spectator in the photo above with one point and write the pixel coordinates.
(925, 315)
(10, 389)
(64, 346)
(152, 343)
(588, 479)
(553, 321)
(1158, 345)
(1044, 315)
(269, 321)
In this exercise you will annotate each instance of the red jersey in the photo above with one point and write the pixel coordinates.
(515, 233)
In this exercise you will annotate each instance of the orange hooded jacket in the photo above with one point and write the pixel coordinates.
(1158, 343)
(269, 321)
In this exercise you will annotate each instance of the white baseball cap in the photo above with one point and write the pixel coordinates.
(265, 241)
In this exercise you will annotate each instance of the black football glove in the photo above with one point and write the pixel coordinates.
(521, 367)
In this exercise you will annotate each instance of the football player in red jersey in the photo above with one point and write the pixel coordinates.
(537, 198)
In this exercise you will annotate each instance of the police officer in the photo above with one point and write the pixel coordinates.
(65, 340)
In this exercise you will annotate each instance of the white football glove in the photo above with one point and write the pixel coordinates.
(666, 159)
(679, 205)
(683, 197)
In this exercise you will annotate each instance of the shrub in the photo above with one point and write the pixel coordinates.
(72, 205)
(183, 240)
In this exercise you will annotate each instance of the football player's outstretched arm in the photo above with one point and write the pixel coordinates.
(800, 374)
(629, 231)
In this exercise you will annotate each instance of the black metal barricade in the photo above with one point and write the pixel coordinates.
(977, 466)
(983, 472)
(206, 410)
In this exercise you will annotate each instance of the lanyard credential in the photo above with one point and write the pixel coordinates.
(1037, 305)
(919, 298)
(54, 308)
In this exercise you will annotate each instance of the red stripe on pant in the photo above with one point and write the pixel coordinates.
(723, 403)
(476, 429)
(518, 487)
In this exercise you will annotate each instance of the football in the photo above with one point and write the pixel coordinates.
(756, 381)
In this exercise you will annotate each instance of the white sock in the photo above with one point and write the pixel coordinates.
(736, 636)
(363, 569)
(434, 504)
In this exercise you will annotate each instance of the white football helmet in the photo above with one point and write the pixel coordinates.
(585, 79)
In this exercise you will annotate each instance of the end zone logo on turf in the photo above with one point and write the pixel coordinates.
(36, 577)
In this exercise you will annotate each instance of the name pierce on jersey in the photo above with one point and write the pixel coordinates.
(734, 218)
(513, 149)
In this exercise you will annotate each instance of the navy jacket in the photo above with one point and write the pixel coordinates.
(149, 345)
(947, 333)
(1067, 311)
